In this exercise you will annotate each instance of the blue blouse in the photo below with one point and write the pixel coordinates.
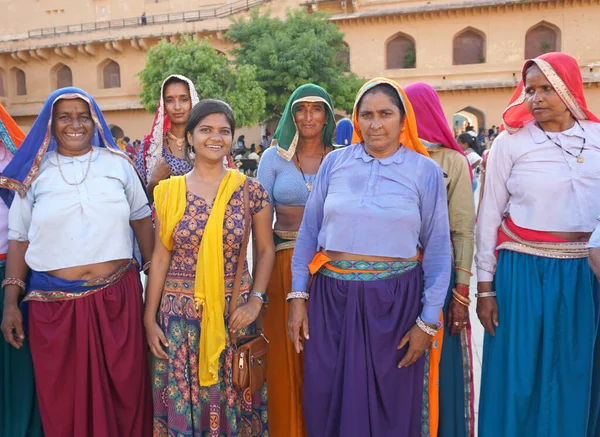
(282, 180)
(379, 207)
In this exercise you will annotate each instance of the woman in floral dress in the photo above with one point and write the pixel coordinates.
(199, 233)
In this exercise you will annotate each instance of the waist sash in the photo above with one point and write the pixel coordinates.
(284, 239)
(47, 288)
(562, 249)
(359, 270)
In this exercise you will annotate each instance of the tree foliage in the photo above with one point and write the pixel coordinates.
(211, 73)
(304, 48)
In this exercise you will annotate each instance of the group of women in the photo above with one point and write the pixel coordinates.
(377, 235)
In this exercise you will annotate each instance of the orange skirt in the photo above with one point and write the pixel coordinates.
(285, 373)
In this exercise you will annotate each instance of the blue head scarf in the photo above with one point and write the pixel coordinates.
(25, 165)
(343, 132)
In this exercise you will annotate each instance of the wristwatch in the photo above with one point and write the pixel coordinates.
(262, 296)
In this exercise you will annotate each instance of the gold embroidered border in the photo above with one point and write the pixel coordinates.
(286, 245)
(546, 253)
(561, 89)
(286, 235)
(103, 281)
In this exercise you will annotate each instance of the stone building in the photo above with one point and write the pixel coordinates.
(470, 51)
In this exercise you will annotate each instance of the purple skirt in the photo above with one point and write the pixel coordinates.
(352, 384)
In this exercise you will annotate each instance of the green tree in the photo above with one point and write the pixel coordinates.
(211, 73)
(304, 48)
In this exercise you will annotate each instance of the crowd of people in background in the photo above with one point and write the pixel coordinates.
(372, 220)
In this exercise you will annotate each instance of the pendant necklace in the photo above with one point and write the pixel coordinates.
(309, 186)
(178, 141)
(579, 156)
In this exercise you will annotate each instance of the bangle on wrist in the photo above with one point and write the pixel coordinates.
(297, 295)
(486, 294)
(14, 281)
(465, 301)
(426, 328)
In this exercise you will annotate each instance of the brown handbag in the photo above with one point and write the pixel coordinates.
(250, 351)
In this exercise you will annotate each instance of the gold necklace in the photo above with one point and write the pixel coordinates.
(309, 185)
(178, 141)
(86, 172)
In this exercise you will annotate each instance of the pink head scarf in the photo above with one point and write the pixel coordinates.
(431, 121)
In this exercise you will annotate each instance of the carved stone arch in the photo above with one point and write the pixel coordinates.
(400, 52)
(61, 76)
(543, 37)
(109, 74)
(469, 47)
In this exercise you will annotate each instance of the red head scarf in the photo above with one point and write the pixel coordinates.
(563, 73)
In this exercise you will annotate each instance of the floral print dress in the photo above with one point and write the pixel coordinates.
(182, 408)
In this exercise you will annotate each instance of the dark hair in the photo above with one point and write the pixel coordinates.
(199, 112)
(171, 81)
(389, 91)
(467, 139)
(126, 139)
(253, 147)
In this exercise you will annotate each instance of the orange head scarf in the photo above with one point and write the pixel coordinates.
(409, 136)
(12, 136)
(563, 73)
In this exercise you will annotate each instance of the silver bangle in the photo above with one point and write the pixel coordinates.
(486, 294)
(426, 328)
(297, 295)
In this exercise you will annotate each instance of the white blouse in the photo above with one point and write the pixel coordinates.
(539, 185)
(74, 225)
(595, 239)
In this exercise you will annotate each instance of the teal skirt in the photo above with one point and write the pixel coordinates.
(456, 408)
(541, 372)
(19, 414)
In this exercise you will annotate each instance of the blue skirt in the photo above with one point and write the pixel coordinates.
(541, 371)
(456, 380)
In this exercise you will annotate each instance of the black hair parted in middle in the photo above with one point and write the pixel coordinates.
(199, 112)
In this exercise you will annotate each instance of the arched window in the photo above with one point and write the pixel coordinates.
(2, 90)
(468, 47)
(541, 38)
(401, 52)
(343, 56)
(64, 76)
(111, 74)
(20, 82)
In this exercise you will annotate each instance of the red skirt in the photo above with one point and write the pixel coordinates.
(91, 363)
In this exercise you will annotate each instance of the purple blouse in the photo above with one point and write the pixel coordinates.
(379, 207)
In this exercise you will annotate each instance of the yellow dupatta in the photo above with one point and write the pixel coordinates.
(209, 288)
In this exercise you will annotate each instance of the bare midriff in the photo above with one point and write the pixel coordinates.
(573, 236)
(345, 256)
(87, 272)
(289, 218)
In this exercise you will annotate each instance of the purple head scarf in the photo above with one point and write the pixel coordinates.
(431, 121)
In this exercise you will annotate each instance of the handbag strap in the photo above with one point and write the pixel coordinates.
(237, 282)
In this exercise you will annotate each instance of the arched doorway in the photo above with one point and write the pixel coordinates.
(465, 117)
(116, 131)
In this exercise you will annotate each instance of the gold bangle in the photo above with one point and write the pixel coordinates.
(464, 270)
(460, 299)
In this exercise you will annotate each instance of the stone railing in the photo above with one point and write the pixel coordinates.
(175, 17)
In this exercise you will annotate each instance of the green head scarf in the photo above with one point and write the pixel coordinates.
(286, 134)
